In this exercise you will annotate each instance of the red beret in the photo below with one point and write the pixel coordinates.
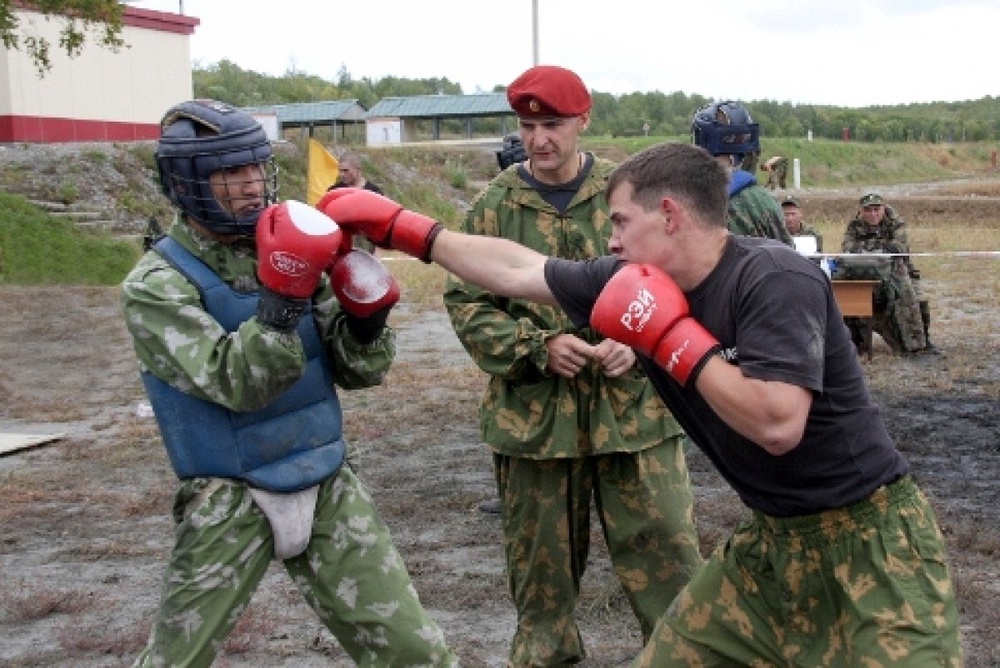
(547, 90)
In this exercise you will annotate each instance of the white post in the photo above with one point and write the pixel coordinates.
(796, 174)
(534, 32)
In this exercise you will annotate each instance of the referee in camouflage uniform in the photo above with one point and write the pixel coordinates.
(566, 430)
(240, 359)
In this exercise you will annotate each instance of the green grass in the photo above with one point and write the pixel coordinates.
(36, 248)
(39, 249)
(826, 163)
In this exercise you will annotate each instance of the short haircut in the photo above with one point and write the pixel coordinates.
(679, 170)
(350, 158)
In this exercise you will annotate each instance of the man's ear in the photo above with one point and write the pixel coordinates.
(670, 210)
(584, 121)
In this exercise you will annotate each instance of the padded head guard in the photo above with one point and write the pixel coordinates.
(512, 151)
(725, 128)
(200, 137)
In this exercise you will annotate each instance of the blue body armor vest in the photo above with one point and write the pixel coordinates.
(294, 442)
(739, 180)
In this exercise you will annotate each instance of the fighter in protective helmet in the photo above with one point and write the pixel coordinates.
(726, 130)
(202, 137)
(242, 337)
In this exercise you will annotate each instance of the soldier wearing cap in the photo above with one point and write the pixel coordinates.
(902, 315)
(568, 430)
(792, 208)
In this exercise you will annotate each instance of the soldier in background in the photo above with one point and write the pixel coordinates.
(902, 316)
(512, 151)
(727, 132)
(776, 168)
(568, 431)
(349, 176)
(792, 208)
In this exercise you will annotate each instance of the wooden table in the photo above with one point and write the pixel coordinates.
(856, 300)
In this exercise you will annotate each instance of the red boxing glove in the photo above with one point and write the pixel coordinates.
(382, 220)
(295, 243)
(362, 284)
(366, 292)
(642, 307)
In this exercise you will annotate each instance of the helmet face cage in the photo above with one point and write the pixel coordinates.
(725, 128)
(201, 137)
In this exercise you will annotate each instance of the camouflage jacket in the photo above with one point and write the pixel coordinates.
(889, 237)
(753, 212)
(177, 341)
(525, 411)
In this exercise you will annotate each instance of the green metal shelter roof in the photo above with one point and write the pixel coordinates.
(441, 106)
(314, 113)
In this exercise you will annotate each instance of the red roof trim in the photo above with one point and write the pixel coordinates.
(162, 21)
(46, 130)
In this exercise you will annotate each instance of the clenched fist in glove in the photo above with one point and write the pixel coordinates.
(366, 291)
(382, 220)
(642, 307)
(295, 243)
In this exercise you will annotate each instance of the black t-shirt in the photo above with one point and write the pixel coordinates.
(559, 196)
(368, 186)
(359, 240)
(775, 316)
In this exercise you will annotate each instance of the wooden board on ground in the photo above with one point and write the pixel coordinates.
(13, 442)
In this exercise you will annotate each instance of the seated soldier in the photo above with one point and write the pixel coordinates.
(902, 315)
(797, 227)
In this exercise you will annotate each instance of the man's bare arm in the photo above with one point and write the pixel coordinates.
(498, 265)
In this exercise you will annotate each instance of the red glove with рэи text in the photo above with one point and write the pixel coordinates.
(642, 307)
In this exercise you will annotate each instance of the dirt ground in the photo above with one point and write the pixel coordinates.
(85, 523)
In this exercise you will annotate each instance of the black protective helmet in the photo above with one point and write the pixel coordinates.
(512, 151)
(200, 137)
(725, 128)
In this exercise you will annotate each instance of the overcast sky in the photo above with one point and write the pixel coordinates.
(840, 52)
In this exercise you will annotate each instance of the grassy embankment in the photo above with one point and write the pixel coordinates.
(36, 248)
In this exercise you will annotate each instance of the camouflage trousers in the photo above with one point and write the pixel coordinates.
(898, 321)
(865, 585)
(350, 574)
(645, 505)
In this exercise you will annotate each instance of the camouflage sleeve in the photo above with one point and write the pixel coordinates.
(898, 240)
(851, 242)
(753, 212)
(178, 341)
(500, 343)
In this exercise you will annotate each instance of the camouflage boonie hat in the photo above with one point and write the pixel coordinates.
(871, 199)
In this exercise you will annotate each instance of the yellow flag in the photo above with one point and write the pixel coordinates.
(323, 171)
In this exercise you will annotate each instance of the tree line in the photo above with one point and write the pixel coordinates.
(654, 113)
